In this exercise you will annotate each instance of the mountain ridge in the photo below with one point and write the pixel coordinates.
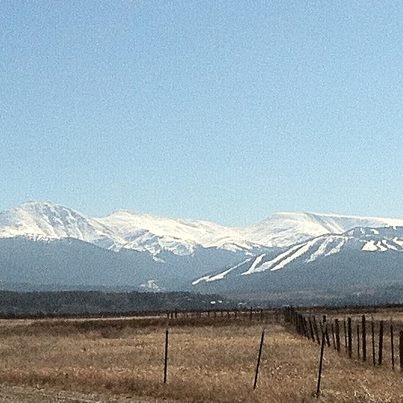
(126, 229)
(317, 251)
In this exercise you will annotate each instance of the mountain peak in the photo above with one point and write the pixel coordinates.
(34, 204)
(49, 220)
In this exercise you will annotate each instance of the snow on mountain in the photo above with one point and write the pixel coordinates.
(43, 242)
(364, 239)
(285, 229)
(45, 220)
(222, 275)
(122, 229)
(181, 237)
(154, 235)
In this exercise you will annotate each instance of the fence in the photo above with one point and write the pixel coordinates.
(377, 342)
(250, 315)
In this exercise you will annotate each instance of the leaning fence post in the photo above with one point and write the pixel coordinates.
(166, 355)
(322, 348)
(258, 360)
(380, 349)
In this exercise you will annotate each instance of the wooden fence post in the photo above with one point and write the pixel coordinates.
(322, 348)
(401, 349)
(306, 328)
(364, 338)
(315, 325)
(358, 341)
(333, 338)
(392, 347)
(258, 360)
(373, 340)
(380, 348)
(326, 332)
(299, 322)
(337, 330)
(345, 335)
(311, 328)
(350, 338)
(166, 356)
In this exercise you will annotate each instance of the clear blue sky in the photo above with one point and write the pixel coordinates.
(222, 110)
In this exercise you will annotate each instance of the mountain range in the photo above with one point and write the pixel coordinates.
(44, 244)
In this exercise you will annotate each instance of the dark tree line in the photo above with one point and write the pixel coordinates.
(14, 303)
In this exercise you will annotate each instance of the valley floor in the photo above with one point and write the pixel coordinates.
(209, 361)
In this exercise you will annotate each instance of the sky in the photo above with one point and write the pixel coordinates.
(227, 111)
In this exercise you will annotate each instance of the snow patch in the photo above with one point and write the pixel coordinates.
(151, 285)
(252, 269)
(219, 276)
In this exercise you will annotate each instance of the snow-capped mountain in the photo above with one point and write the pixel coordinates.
(181, 237)
(360, 256)
(143, 232)
(122, 229)
(285, 229)
(45, 220)
(362, 239)
(36, 238)
(40, 241)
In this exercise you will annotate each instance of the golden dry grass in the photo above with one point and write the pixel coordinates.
(209, 361)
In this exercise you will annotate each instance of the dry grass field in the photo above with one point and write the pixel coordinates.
(209, 361)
